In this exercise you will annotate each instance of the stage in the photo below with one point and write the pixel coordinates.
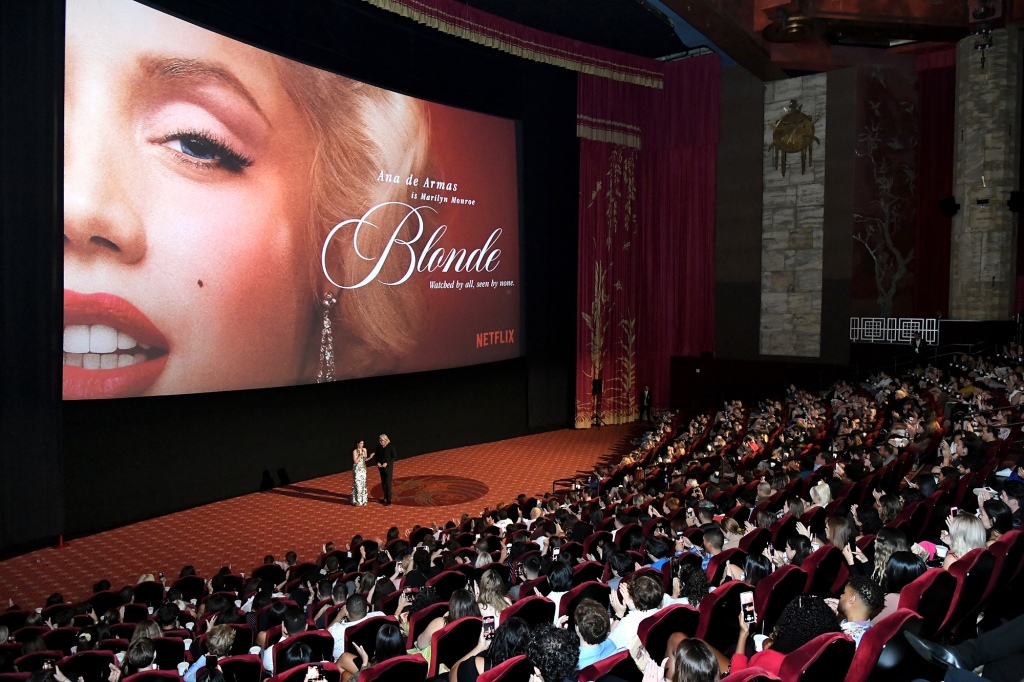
(238, 532)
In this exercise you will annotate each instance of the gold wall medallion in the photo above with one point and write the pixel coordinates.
(794, 133)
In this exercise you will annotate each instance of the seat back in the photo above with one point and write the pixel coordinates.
(973, 573)
(754, 674)
(150, 593)
(419, 621)
(245, 668)
(191, 586)
(619, 665)
(756, 541)
(136, 612)
(320, 641)
(882, 653)
(453, 641)
(784, 529)
(826, 657)
(364, 633)
(534, 610)
(103, 601)
(814, 518)
(91, 666)
(716, 567)
(62, 639)
(270, 572)
(398, 669)
(540, 584)
(655, 630)
(599, 592)
(719, 616)
(153, 676)
(930, 596)
(826, 570)
(447, 582)
(774, 592)
(1010, 549)
(515, 669)
(501, 569)
(32, 662)
(170, 651)
(331, 673)
(588, 571)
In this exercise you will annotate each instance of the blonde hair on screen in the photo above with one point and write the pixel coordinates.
(360, 131)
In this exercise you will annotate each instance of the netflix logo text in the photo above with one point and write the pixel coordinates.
(496, 338)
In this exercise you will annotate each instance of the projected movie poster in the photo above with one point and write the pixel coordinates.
(234, 219)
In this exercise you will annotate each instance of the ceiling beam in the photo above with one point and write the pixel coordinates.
(706, 17)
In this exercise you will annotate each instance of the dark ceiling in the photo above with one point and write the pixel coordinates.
(770, 38)
(629, 26)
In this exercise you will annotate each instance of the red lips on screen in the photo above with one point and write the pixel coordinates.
(111, 349)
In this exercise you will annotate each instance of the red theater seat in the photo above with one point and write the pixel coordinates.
(882, 653)
(534, 610)
(452, 642)
(515, 669)
(399, 669)
(826, 657)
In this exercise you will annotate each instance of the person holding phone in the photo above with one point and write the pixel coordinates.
(218, 645)
(802, 620)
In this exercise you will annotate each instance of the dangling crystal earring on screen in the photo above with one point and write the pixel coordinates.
(326, 369)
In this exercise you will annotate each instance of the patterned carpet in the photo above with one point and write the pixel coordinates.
(301, 517)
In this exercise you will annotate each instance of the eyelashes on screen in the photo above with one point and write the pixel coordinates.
(204, 150)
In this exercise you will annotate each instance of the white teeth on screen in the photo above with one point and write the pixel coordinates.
(103, 360)
(124, 341)
(98, 338)
(100, 346)
(76, 338)
(102, 339)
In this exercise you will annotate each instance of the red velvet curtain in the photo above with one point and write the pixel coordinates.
(646, 233)
(936, 84)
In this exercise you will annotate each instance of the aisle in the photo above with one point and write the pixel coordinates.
(301, 517)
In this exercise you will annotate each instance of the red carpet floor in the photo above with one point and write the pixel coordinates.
(301, 517)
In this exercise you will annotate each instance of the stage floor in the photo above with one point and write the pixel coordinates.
(302, 517)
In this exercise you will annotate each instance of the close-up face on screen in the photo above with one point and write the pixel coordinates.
(234, 219)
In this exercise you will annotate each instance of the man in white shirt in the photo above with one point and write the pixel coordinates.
(642, 598)
(294, 622)
(355, 610)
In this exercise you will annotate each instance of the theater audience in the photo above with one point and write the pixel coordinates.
(642, 597)
(997, 519)
(802, 620)
(389, 644)
(219, 641)
(356, 609)
(861, 597)
(966, 532)
(554, 652)
(461, 604)
(510, 639)
(593, 627)
(901, 568)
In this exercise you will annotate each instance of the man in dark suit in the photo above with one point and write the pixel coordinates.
(384, 455)
(645, 403)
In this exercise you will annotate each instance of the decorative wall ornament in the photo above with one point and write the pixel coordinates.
(794, 134)
(893, 329)
(885, 205)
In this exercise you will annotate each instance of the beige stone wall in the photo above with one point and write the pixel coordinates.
(984, 248)
(792, 229)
